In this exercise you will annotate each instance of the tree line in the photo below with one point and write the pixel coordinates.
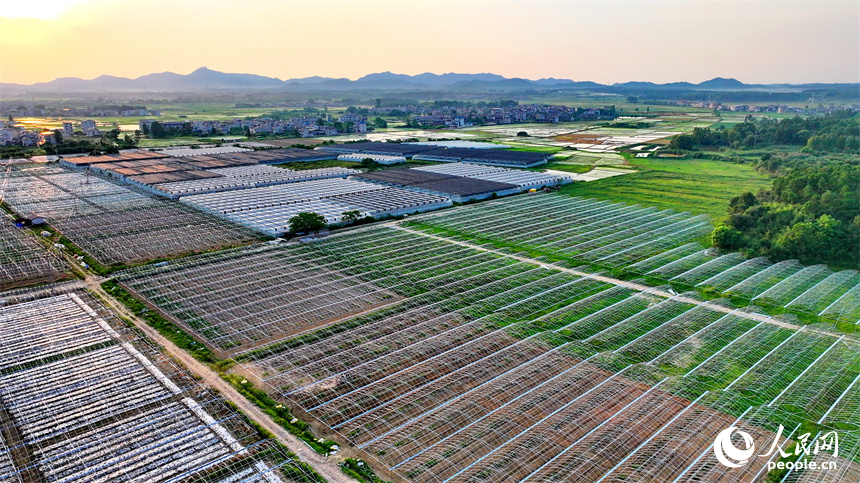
(838, 131)
(156, 130)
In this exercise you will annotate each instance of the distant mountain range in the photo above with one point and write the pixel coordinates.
(204, 79)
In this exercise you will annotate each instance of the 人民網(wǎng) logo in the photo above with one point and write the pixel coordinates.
(732, 456)
(728, 454)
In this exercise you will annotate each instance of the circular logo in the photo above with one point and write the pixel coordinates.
(726, 451)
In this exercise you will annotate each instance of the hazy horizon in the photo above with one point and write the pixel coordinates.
(605, 42)
(425, 72)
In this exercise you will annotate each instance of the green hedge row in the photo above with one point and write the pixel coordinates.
(162, 325)
(359, 470)
(279, 413)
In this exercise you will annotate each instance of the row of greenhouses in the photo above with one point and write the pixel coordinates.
(463, 360)
(85, 399)
(23, 260)
(653, 243)
(115, 224)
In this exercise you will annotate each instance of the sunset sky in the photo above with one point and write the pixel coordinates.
(606, 41)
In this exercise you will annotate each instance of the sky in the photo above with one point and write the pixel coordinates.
(603, 41)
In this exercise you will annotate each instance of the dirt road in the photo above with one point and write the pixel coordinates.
(615, 281)
(325, 466)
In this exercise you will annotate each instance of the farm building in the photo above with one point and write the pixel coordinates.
(280, 156)
(381, 148)
(494, 157)
(84, 161)
(269, 209)
(244, 177)
(198, 151)
(464, 182)
(462, 144)
(458, 188)
(523, 179)
(186, 174)
(428, 152)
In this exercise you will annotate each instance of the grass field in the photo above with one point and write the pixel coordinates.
(699, 186)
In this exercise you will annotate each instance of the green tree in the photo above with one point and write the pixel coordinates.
(727, 238)
(306, 222)
(740, 203)
(156, 130)
(811, 242)
(351, 216)
(380, 123)
(113, 134)
(58, 136)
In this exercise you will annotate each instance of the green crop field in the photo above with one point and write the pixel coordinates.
(699, 186)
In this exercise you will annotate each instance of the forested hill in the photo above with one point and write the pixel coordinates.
(812, 211)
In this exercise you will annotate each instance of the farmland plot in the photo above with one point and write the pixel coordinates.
(84, 398)
(500, 356)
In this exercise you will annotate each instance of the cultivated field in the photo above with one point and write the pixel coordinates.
(592, 136)
(113, 223)
(498, 356)
(23, 261)
(649, 242)
(84, 398)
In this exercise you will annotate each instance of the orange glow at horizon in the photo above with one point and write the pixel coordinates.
(607, 42)
(41, 9)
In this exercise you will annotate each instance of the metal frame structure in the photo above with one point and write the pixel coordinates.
(446, 360)
(113, 223)
(85, 398)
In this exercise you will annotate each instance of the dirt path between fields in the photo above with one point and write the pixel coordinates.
(325, 466)
(615, 281)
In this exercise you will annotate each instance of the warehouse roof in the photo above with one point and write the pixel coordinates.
(403, 177)
(457, 186)
(488, 155)
(402, 149)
